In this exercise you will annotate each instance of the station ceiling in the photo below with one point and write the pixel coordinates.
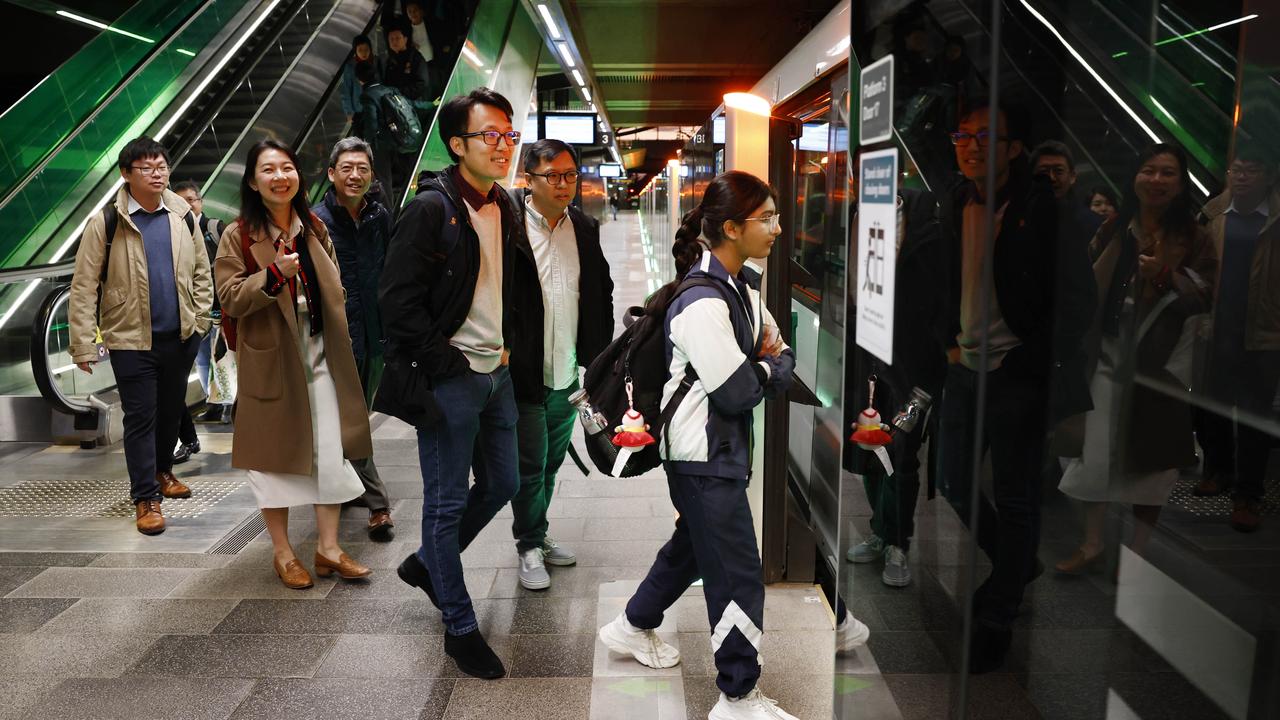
(669, 62)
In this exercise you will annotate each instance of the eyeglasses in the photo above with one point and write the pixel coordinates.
(156, 171)
(771, 220)
(962, 139)
(491, 137)
(1246, 170)
(555, 178)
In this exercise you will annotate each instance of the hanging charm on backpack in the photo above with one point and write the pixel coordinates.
(871, 434)
(633, 432)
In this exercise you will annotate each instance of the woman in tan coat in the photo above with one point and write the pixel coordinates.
(301, 412)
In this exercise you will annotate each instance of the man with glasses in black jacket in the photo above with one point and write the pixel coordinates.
(445, 288)
(1026, 338)
(564, 318)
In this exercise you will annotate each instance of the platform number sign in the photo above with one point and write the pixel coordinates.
(877, 251)
(875, 106)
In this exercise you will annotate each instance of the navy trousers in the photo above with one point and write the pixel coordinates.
(153, 386)
(714, 539)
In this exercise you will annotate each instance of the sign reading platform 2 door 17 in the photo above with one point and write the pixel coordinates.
(875, 106)
(877, 248)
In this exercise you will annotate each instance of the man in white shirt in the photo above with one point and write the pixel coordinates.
(566, 298)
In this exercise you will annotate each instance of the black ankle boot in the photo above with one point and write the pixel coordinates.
(988, 648)
(414, 573)
(474, 656)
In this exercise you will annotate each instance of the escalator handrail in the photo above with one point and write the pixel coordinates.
(41, 329)
(288, 72)
(38, 272)
(52, 152)
(266, 41)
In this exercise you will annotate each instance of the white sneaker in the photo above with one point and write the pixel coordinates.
(553, 554)
(896, 571)
(533, 574)
(868, 550)
(752, 706)
(644, 645)
(851, 634)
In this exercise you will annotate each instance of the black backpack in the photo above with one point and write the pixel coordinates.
(638, 355)
(401, 121)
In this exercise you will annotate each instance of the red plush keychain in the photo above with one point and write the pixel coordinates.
(633, 432)
(868, 431)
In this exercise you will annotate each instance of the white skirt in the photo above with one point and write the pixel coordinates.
(1094, 477)
(333, 480)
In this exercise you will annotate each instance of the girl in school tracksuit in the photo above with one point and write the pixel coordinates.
(730, 342)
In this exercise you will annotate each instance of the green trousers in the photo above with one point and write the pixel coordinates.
(542, 436)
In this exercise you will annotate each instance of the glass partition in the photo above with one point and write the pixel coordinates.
(1084, 524)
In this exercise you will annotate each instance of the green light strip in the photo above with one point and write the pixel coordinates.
(1202, 31)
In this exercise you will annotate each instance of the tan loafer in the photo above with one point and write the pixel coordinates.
(346, 568)
(293, 575)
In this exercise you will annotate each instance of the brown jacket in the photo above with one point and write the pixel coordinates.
(126, 296)
(1156, 431)
(273, 430)
(1262, 315)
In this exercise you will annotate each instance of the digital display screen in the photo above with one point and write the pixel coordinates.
(573, 129)
(717, 130)
(813, 137)
(610, 170)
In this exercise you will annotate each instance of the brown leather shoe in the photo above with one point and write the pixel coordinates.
(380, 526)
(148, 518)
(293, 575)
(1078, 563)
(1247, 515)
(172, 487)
(1210, 485)
(346, 568)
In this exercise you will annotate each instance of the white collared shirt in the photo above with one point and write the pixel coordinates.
(135, 206)
(556, 254)
(1262, 209)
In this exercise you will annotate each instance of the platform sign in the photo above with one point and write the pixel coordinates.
(875, 106)
(877, 248)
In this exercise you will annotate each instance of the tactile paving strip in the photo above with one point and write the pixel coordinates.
(104, 498)
(1219, 505)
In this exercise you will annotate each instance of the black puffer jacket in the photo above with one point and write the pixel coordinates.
(362, 252)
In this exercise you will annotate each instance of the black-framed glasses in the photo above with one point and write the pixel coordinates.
(555, 178)
(491, 137)
(773, 221)
(152, 171)
(962, 139)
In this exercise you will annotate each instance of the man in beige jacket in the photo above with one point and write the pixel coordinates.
(148, 290)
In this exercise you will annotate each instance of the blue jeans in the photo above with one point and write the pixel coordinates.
(477, 433)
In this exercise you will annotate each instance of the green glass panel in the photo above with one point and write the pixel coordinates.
(36, 229)
(47, 114)
(475, 68)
